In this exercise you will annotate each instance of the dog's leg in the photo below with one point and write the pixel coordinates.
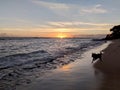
(92, 60)
(101, 59)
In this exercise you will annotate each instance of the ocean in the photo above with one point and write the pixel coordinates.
(23, 58)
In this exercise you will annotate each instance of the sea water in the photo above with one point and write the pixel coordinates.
(21, 57)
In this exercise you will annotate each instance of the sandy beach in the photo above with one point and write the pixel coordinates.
(111, 58)
(110, 68)
(79, 75)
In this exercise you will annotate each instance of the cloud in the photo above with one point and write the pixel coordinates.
(97, 9)
(61, 9)
(77, 24)
(78, 27)
(18, 22)
(71, 9)
(52, 6)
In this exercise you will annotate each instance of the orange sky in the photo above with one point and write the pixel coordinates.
(71, 32)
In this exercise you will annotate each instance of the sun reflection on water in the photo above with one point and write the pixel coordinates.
(66, 67)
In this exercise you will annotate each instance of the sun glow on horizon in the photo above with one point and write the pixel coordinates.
(61, 35)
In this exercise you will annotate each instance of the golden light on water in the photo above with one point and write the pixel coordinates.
(66, 67)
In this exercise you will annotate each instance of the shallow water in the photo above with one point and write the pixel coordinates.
(31, 51)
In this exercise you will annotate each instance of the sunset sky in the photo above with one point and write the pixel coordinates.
(52, 17)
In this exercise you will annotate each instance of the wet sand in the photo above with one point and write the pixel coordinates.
(79, 75)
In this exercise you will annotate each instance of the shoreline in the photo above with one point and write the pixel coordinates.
(74, 76)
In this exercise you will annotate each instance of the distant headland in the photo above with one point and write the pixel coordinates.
(115, 33)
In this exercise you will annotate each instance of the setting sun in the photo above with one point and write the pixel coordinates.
(61, 35)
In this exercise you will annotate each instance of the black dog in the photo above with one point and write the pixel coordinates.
(97, 56)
